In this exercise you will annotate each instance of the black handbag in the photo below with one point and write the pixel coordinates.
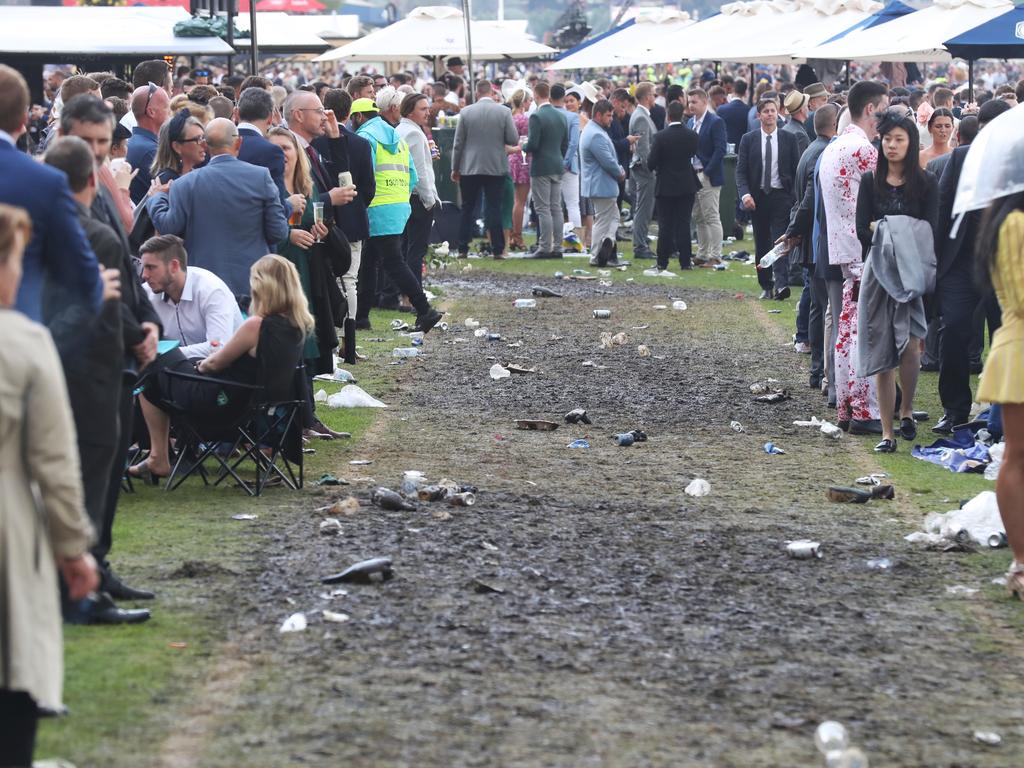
(339, 250)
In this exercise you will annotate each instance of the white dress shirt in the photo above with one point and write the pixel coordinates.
(776, 182)
(697, 123)
(206, 312)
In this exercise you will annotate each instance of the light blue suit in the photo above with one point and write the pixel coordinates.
(572, 157)
(229, 214)
(601, 169)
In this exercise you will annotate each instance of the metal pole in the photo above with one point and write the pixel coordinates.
(254, 54)
(970, 81)
(750, 91)
(466, 15)
(847, 75)
(638, 73)
(232, 9)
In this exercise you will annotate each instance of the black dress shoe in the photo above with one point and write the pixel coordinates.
(547, 255)
(930, 367)
(102, 610)
(425, 322)
(908, 429)
(946, 423)
(783, 294)
(765, 294)
(326, 434)
(363, 324)
(886, 446)
(815, 381)
(865, 427)
(646, 255)
(118, 590)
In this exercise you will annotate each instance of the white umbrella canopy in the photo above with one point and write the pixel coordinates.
(915, 37)
(439, 31)
(994, 166)
(630, 45)
(727, 36)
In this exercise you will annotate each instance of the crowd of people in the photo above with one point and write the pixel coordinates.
(177, 232)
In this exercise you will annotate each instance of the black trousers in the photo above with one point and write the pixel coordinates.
(416, 237)
(105, 528)
(386, 250)
(958, 302)
(770, 218)
(19, 717)
(674, 213)
(493, 190)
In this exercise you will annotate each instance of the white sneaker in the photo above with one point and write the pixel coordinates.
(802, 347)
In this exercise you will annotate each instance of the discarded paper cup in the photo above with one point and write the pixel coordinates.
(804, 550)
(602, 314)
(679, 305)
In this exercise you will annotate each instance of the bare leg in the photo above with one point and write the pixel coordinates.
(588, 231)
(1010, 484)
(886, 384)
(518, 208)
(910, 368)
(159, 425)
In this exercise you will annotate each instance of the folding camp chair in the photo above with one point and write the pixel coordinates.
(267, 433)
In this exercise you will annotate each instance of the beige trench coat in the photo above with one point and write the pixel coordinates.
(38, 461)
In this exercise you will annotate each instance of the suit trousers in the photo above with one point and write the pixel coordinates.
(415, 240)
(826, 297)
(803, 312)
(643, 210)
(493, 190)
(708, 220)
(126, 416)
(547, 203)
(571, 198)
(19, 719)
(606, 221)
(351, 279)
(958, 302)
(770, 218)
(386, 251)
(674, 213)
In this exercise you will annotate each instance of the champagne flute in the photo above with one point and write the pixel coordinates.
(318, 217)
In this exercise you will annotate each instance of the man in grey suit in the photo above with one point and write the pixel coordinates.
(229, 213)
(640, 124)
(480, 164)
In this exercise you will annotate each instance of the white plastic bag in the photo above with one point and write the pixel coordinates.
(353, 396)
(979, 519)
(698, 487)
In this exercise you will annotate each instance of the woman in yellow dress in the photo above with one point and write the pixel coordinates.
(1002, 251)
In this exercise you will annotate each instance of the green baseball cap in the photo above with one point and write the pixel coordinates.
(363, 105)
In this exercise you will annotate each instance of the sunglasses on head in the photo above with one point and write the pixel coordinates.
(149, 96)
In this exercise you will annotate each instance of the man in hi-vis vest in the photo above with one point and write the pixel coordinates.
(395, 176)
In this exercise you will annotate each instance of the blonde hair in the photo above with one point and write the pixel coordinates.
(276, 290)
(302, 176)
(12, 221)
(200, 112)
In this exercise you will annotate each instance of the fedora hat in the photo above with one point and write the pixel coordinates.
(795, 101)
(815, 89)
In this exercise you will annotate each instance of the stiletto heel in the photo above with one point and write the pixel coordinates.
(141, 471)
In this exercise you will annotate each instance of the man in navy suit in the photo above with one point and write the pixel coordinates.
(765, 177)
(229, 213)
(711, 136)
(151, 107)
(734, 113)
(255, 111)
(59, 252)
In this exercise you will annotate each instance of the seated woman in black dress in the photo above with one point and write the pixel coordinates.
(265, 351)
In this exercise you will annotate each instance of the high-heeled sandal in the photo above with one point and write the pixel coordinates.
(1015, 580)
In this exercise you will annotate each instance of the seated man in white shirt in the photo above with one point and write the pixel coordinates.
(196, 307)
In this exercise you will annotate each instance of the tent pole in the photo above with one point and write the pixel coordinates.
(232, 9)
(637, 73)
(718, 67)
(469, 51)
(970, 81)
(847, 73)
(750, 91)
(254, 54)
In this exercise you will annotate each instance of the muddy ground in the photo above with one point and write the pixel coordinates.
(635, 625)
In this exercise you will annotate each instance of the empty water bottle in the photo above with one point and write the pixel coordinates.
(525, 303)
(625, 439)
(411, 481)
(830, 737)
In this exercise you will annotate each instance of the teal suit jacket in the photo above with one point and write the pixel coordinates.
(548, 141)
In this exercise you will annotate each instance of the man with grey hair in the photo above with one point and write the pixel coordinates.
(255, 116)
(228, 213)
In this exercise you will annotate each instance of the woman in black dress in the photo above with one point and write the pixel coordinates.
(898, 187)
(265, 350)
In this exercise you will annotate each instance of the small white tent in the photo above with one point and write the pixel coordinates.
(628, 44)
(439, 31)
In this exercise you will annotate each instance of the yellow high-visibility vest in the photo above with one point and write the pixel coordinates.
(392, 173)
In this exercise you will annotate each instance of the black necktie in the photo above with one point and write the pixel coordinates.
(766, 182)
(318, 169)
